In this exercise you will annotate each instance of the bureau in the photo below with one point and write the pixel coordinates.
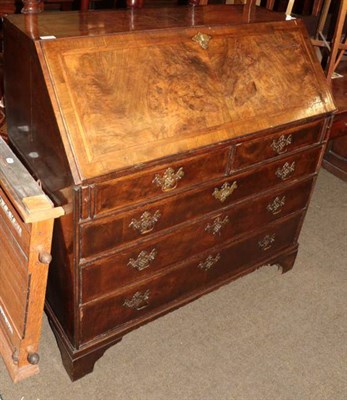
(182, 144)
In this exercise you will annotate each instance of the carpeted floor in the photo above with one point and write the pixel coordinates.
(266, 336)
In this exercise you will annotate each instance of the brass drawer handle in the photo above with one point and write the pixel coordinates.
(217, 225)
(143, 260)
(169, 179)
(209, 262)
(285, 171)
(146, 222)
(275, 207)
(225, 191)
(279, 146)
(266, 242)
(139, 301)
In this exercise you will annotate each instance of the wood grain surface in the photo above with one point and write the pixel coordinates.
(151, 138)
(151, 90)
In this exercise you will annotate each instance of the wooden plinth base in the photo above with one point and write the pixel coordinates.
(16, 373)
(80, 362)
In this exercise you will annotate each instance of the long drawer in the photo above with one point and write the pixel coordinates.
(148, 257)
(98, 317)
(102, 235)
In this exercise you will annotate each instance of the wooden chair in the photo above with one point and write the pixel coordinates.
(338, 45)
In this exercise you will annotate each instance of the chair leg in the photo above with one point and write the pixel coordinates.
(336, 42)
(270, 4)
(249, 10)
(317, 6)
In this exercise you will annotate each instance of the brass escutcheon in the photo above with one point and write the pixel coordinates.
(209, 262)
(169, 179)
(275, 207)
(225, 191)
(203, 39)
(139, 301)
(279, 146)
(143, 260)
(146, 222)
(285, 171)
(217, 225)
(266, 242)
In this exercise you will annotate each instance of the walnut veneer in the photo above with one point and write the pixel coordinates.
(183, 145)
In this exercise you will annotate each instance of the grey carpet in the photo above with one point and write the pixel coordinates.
(266, 336)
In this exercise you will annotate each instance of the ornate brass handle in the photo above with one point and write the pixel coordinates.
(169, 179)
(217, 225)
(266, 242)
(225, 191)
(279, 146)
(143, 260)
(203, 39)
(209, 262)
(146, 222)
(139, 301)
(285, 171)
(275, 207)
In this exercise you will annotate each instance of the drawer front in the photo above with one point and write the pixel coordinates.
(7, 327)
(14, 285)
(258, 150)
(103, 235)
(9, 217)
(103, 315)
(172, 177)
(128, 266)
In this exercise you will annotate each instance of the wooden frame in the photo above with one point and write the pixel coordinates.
(26, 225)
(336, 46)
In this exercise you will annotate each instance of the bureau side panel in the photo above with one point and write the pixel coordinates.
(60, 295)
(32, 127)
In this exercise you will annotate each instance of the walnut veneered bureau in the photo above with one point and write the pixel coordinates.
(182, 144)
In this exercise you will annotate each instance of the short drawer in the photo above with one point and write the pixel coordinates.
(254, 151)
(171, 177)
(99, 317)
(105, 234)
(131, 265)
(10, 217)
